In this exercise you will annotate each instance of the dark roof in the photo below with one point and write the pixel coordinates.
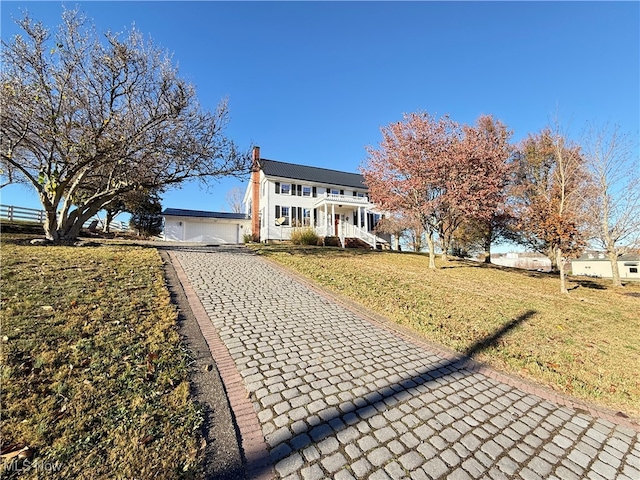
(179, 212)
(312, 174)
(595, 255)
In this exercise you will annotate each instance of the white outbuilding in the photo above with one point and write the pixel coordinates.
(597, 264)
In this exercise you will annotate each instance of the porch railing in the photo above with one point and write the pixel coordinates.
(341, 199)
(368, 237)
(348, 230)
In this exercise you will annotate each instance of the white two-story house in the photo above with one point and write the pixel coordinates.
(283, 196)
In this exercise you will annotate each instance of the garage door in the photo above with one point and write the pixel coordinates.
(211, 232)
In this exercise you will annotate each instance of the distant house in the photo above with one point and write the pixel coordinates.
(596, 264)
(526, 260)
(205, 227)
(282, 196)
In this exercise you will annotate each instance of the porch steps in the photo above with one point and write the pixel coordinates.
(332, 242)
(352, 242)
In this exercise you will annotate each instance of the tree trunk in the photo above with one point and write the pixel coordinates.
(71, 229)
(51, 225)
(560, 264)
(446, 247)
(615, 271)
(487, 250)
(418, 242)
(552, 253)
(432, 251)
(107, 221)
(59, 230)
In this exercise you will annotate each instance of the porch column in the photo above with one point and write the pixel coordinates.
(359, 217)
(333, 218)
(366, 221)
(326, 220)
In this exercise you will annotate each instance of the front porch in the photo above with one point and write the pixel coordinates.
(345, 217)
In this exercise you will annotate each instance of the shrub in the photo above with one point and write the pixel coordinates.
(247, 238)
(304, 236)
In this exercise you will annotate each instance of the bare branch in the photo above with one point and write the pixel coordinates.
(86, 118)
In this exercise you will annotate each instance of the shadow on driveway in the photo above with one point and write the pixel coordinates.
(365, 406)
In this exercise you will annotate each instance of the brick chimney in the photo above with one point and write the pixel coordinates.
(255, 195)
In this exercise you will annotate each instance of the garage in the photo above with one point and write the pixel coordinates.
(218, 228)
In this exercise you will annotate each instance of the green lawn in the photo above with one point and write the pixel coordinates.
(94, 378)
(586, 344)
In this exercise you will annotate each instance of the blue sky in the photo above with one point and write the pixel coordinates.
(313, 82)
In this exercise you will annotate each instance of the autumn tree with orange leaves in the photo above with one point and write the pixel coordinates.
(477, 183)
(404, 173)
(551, 202)
(439, 173)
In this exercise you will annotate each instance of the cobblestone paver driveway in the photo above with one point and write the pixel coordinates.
(339, 397)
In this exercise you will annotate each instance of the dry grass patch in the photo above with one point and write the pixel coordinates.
(94, 379)
(586, 344)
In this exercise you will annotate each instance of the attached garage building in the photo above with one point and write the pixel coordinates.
(205, 227)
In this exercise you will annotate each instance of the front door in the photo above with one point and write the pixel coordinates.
(336, 224)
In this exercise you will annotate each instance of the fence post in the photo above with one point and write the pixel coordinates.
(10, 212)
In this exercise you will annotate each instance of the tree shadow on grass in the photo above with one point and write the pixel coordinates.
(370, 404)
(587, 284)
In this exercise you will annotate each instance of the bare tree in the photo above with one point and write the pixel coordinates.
(7, 176)
(86, 118)
(615, 202)
(401, 226)
(234, 199)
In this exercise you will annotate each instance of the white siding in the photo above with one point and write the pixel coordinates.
(602, 268)
(269, 230)
(173, 229)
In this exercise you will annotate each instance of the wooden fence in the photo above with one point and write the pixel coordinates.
(12, 213)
